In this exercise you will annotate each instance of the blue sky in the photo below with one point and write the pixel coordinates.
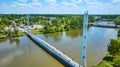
(59, 6)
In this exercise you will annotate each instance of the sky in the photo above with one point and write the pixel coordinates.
(59, 6)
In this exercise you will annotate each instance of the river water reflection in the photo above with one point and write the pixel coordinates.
(22, 52)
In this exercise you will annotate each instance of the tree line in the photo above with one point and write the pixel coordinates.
(51, 22)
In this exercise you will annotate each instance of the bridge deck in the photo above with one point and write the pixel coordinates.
(57, 54)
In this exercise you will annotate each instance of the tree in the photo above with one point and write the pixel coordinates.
(114, 47)
(117, 20)
(67, 27)
(5, 21)
(18, 22)
(16, 32)
(117, 61)
(2, 28)
(91, 19)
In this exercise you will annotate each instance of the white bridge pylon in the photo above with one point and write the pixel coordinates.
(83, 56)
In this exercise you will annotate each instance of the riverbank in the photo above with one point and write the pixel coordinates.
(34, 31)
(106, 61)
(2, 36)
(112, 58)
(109, 61)
(42, 31)
(5, 35)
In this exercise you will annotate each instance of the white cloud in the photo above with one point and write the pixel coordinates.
(65, 3)
(52, 5)
(97, 7)
(36, 3)
(35, 0)
(115, 1)
(51, 1)
(71, 4)
(4, 7)
(21, 5)
(22, 0)
(66, 6)
(76, 1)
(93, 2)
(26, 5)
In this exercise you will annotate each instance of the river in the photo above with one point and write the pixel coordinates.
(22, 52)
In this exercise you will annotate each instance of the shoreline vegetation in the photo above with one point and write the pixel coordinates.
(3, 36)
(9, 24)
(112, 58)
(51, 23)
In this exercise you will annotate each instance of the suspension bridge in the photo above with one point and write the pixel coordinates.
(59, 55)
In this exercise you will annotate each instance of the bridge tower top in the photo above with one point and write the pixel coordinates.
(28, 24)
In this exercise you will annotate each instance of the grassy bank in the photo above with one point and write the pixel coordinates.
(2, 36)
(20, 33)
(11, 34)
(112, 59)
(104, 63)
(107, 61)
(36, 31)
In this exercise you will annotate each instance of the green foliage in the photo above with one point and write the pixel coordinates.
(49, 29)
(108, 58)
(118, 32)
(91, 19)
(5, 21)
(113, 57)
(51, 22)
(20, 33)
(108, 17)
(117, 61)
(2, 28)
(64, 23)
(2, 36)
(16, 32)
(117, 20)
(114, 47)
(104, 64)
(37, 31)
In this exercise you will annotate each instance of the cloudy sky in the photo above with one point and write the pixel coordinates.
(59, 6)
